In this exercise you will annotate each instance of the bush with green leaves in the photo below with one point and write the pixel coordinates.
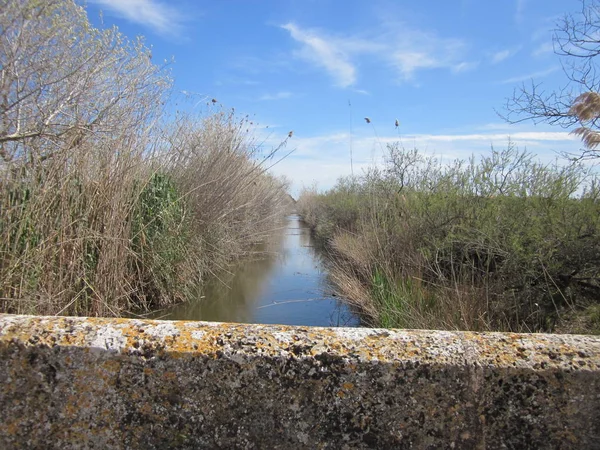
(504, 243)
(160, 238)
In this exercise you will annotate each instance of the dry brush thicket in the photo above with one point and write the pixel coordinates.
(108, 204)
(503, 243)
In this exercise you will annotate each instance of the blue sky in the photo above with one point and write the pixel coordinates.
(319, 67)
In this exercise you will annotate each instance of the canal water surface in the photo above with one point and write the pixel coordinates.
(289, 286)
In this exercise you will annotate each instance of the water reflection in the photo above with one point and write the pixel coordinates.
(287, 287)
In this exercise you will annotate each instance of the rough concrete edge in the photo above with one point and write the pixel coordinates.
(498, 350)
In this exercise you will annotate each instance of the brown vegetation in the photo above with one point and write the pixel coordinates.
(106, 205)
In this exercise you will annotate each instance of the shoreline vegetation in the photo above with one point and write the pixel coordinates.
(503, 243)
(109, 203)
(112, 203)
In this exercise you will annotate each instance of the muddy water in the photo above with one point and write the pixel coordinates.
(287, 287)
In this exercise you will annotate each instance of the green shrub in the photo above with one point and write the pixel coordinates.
(160, 238)
(512, 241)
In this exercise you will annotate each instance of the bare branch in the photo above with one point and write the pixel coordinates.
(577, 42)
(58, 74)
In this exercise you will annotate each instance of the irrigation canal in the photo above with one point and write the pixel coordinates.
(288, 286)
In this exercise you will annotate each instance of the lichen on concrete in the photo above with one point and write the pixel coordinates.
(119, 383)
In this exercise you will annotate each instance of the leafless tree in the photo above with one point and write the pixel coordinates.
(62, 80)
(576, 41)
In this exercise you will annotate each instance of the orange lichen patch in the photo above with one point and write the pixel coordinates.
(168, 384)
(72, 409)
(169, 376)
(11, 428)
(146, 408)
(111, 365)
(179, 339)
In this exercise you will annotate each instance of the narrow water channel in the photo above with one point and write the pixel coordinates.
(289, 286)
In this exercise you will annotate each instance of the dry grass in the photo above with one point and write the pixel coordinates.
(106, 204)
(389, 299)
(65, 230)
(219, 157)
(106, 227)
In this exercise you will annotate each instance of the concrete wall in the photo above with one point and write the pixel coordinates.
(112, 383)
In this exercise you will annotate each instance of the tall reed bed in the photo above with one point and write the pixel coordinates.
(500, 243)
(106, 204)
(106, 228)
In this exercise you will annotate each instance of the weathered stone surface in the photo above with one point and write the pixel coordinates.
(117, 383)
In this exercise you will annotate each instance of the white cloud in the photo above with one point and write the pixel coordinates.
(394, 44)
(277, 96)
(412, 50)
(495, 126)
(464, 67)
(502, 55)
(543, 49)
(324, 53)
(161, 17)
(530, 76)
(408, 62)
(519, 136)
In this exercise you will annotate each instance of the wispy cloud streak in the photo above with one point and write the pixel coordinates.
(520, 11)
(163, 18)
(324, 53)
(544, 49)
(395, 45)
(502, 55)
(277, 96)
(530, 76)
